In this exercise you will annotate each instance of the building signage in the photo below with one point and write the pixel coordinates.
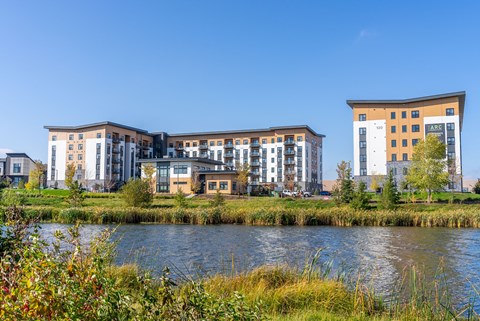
(437, 130)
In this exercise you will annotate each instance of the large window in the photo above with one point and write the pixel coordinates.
(180, 169)
(223, 185)
(70, 137)
(362, 117)
(415, 114)
(362, 130)
(212, 186)
(17, 168)
(415, 128)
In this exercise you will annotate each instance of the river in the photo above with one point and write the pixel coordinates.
(379, 254)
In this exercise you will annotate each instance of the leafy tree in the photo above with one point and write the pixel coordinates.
(428, 169)
(218, 200)
(69, 174)
(375, 182)
(343, 189)
(21, 184)
(289, 181)
(36, 174)
(149, 171)
(476, 188)
(390, 195)
(361, 198)
(180, 199)
(243, 173)
(137, 193)
(75, 194)
(196, 184)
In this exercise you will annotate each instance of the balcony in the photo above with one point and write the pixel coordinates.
(289, 142)
(115, 140)
(116, 171)
(255, 154)
(229, 164)
(202, 146)
(255, 145)
(289, 152)
(204, 155)
(115, 151)
(228, 146)
(255, 173)
(290, 161)
(116, 161)
(255, 164)
(289, 172)
(228, 155)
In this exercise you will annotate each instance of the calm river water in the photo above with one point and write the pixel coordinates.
(379, 253)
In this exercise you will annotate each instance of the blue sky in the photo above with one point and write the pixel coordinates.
(181, 66)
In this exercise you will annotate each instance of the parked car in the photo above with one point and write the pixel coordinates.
(306, 194)
(287, 192)
(325, 193)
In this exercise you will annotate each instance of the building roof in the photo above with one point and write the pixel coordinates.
(103, 123)
(18, 155)
(242, 131)
(221, 172)
(180, 159)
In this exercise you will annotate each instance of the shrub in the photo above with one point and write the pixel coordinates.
(137, 193)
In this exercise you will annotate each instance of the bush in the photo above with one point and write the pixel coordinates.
(137, 193)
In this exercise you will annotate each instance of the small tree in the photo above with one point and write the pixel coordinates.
(361, 198)
(108, 184)
(428, 169)
(180, 199)
(453, 176)
(75, 194)
(137, 193)
(21, 184)
(69, 174)
(243, 173)
(218, 200)
(343, 189)
(149, 171)
(375, 182)
(36, 174)
(390, 195)
(289, 181)
(196, 184)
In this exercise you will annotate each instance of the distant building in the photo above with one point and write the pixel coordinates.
(16, 167)
(385, 132)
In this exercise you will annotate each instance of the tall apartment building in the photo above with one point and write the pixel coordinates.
(385, 132)
(103, 153)
(16, 167)
(274, 154)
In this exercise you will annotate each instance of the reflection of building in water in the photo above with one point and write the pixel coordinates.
(385, 132)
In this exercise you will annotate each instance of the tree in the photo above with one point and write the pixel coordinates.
(69, 174)
(149, 175)
(75, 194)
(376, 181)
(243, 173)
(453, 176)
(428, 169)
(180, 199)
(108, 184)
(196, 184)
(21, 184)
(361, 198)
(137, 193)
(476, 188)
(343, 189)
(390, 195)
(289, 181)
(36, 174)
(218, 200)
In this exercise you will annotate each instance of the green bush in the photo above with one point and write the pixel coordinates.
(137, 193)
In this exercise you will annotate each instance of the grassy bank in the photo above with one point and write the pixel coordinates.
(465, 216)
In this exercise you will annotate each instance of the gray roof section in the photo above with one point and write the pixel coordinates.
(242, 131)
(103, 123)
(180, 159)
(18, 155)
(459, 94)
(217, 172)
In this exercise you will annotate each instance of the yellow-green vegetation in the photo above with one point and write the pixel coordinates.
(71, 281)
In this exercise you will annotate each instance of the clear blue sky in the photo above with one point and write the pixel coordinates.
(181, 66)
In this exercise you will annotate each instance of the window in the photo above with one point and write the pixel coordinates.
(212, 186)
(234, 186)
(404, 143)
(451, 155)
(180, 169)
(415, 128)
(393, 115)
(404, 114)
(219, 143)
(363, 144)
(414, 141)
(273, 150)
(187, 144)
(273, 160)
(109, 136)
(362, 117)
(394, 170)
(405, 171)
(80, 146)
(70, 137)
(219, 155)
(17, 168)
(405, 156)
(450, 112)
(362, 130)
(212, 143)
(79, 167)
(70, 147)
(279, 139)
(394, 157)
(363, 172)
(415, 114)
(393, 129)
(450, 126)
(223, 185)
(99, 135)
(272, 169)
(299, 138)
(79, 156)
(450, 140)
(194, 144)
(264, 140)
(195, 154)
(54, 138)
(212, 154)
(80, 136)
(237, 142)
(363, 158)
(245, 142)
(404, 128)
(70, 157)
(393, 143)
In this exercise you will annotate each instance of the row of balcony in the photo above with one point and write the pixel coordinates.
(231, 145)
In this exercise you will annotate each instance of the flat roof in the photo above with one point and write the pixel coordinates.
(459, 94)
(242, 131)
(103, 123)
(180, 159)
(217, 172)
(19, 155)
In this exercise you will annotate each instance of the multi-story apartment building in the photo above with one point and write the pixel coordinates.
(385, 132)
(103, 153)
(275, 154)
(16, 167)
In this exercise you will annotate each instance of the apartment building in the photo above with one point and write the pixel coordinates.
(385, 132)
(16, 167)
(275, 154)
(104, 153)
